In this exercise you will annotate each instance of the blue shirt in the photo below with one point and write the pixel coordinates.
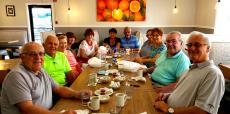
(151, 51)
(168, 69)
(132, 42)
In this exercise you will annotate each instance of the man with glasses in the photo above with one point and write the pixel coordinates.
(27, 89)
(56, 63)
(170, 64)
(201, 88)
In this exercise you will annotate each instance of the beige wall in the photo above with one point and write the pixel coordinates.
(192, 13)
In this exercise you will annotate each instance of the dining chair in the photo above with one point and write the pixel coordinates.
(225, 70)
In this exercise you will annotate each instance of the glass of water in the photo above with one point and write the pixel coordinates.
(92, 79)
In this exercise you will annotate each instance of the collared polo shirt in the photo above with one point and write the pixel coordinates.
(202, 86)
(168, 69)
(57, 67)
(132, 42)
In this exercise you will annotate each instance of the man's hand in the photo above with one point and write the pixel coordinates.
(161, 97)
(85, 92)
(161, 105)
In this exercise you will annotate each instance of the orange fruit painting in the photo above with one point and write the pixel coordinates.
(121, 10)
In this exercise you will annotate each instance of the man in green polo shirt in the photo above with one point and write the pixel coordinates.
(56, 63)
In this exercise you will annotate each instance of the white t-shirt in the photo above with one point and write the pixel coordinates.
(87, 48)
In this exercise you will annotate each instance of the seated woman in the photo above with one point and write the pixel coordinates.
(112, 41)
(88, 47)
(151, 48)
(76, 68)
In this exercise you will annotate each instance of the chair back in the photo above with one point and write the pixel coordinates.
(225, 70)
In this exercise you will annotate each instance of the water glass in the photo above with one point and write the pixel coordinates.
(92, 79)
(128, 90)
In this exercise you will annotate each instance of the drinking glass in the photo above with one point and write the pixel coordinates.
(84, 99)
(92, 79)
(128, 90)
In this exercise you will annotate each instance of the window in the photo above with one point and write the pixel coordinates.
(40, 17)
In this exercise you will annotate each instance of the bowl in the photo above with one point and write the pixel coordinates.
(104, 98)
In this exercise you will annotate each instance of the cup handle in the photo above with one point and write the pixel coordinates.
(89, 105)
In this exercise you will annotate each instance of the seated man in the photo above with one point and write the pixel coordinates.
(170, 64)
(201, 89)
(129, 41)
(56, 63)
(27, 89)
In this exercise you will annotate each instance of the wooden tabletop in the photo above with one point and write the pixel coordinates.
(8, 64)
(142, 97)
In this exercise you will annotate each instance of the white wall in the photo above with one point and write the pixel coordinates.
(158, 13)
(205, 14)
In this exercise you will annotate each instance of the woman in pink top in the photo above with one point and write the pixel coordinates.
(76, 68)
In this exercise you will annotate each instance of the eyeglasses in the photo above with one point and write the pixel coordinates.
(34, 54)
(171, 41)
(195, 44)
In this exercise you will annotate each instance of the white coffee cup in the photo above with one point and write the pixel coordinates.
(140, 72)
(94, 103)
(120, 99)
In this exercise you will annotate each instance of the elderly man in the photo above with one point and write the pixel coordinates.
(27, 89)
(129, 41)
(200, 90)
(170, 64)
(56, 63)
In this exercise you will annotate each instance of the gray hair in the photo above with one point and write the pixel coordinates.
(49, 37)
(202, 35)
(25, 47)
(176, 32)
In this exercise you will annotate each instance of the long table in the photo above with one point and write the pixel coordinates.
(142, 97)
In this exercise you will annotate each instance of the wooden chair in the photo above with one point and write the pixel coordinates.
(225, 70)
(3, 74)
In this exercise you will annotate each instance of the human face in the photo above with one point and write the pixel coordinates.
(112, 35)
(198, 50)
(51, 45)
(127, 33)
(62, 45)
(33, 57)
(89, 39)
(173, 44)
(157, 38)
(71, 40)
(149, 35)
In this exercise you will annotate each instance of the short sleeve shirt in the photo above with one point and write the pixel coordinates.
(57, 67)
(23, 85)
(87, 48)
(132, 42)
(168, 69)
(202, 86)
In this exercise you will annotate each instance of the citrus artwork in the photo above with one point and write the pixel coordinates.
(121, 10)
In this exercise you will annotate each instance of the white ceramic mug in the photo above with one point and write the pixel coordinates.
(140, 72)
(120, 99)
(94, 103)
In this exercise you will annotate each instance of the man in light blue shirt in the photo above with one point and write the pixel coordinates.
(171, 64)
(129, 41)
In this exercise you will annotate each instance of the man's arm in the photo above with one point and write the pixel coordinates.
(162, 106)
(66, 92)
(168, 88)
(27, 107)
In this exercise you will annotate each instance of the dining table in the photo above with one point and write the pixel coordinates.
(141, 102)
(6, 66)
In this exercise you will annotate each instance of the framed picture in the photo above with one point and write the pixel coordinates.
(10, 10)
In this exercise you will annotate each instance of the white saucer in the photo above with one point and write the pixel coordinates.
(107, 92)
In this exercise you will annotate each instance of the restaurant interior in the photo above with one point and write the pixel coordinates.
(17, 27)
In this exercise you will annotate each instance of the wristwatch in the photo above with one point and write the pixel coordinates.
(170, 110)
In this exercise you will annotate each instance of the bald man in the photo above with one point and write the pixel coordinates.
(56, 63)
(200, 90)
(27, 89)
